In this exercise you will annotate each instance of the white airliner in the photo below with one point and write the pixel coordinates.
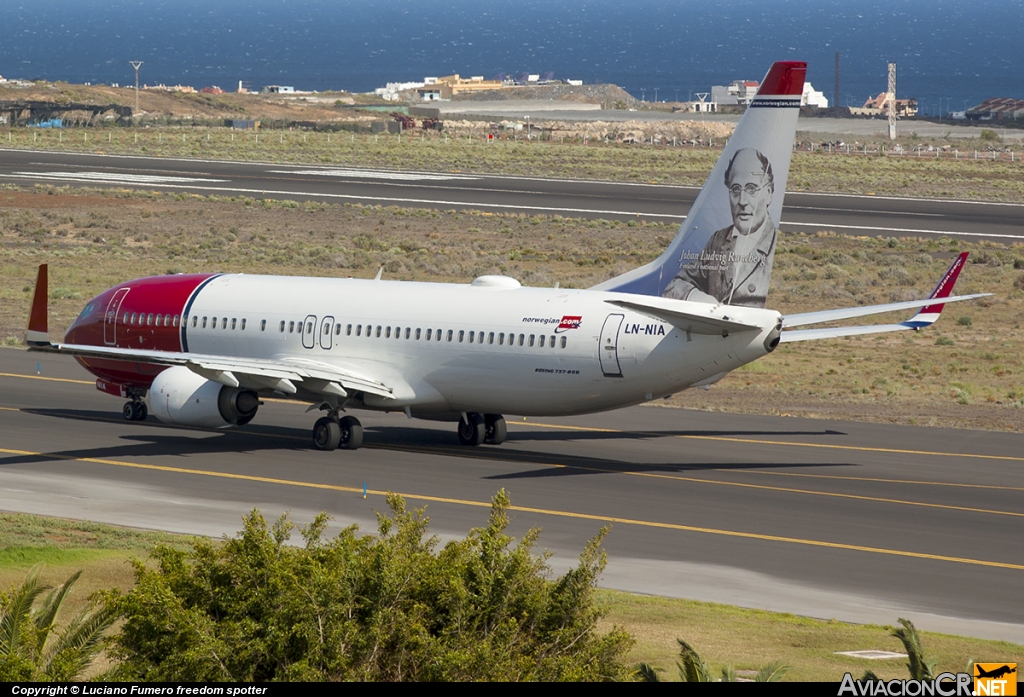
(205, 348)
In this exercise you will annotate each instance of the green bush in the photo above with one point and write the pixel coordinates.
(385, 607)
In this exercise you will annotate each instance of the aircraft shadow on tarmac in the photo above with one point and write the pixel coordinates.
(428, 441)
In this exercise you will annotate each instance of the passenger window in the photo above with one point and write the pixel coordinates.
(282, 326)
(378, 331)
(234, 321)
(224, 323)
(429, 332)
(438, 336)
(291, 327)
(243, 324)
(418, 334)
(176, 318)
(126, 316)
(204, 322)
(263, 325)
(149, 319)
(408, 331)
(195, 321)
(522, 339)
(563, 342)
(132, 320)
(552, 342)
(501, 338)
(309, 327)
(327, 329)
(450, 334)
(471, 335)
(490, 338)
(531, 339)
(359, 330)
(348, 330)
(462, 335)
(387, 333)
(542, 341)
(337, 330)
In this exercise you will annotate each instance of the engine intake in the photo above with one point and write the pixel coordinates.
(179, 396)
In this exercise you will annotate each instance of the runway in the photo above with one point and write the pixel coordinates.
(858, 522)
(803, 212)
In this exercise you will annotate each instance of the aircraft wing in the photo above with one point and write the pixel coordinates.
(277, 374)
(931, 308)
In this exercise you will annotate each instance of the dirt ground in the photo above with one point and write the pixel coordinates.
(966, 372)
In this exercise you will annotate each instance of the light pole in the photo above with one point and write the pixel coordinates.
(643, 93)
(528, 131)
(655, 95)
(136, 65)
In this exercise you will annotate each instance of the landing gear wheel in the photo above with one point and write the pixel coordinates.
(472, 432)
(495, 430)
(326, 434)
(351, 433)
(135, 411)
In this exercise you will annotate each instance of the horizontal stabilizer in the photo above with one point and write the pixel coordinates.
(806, 318)
(695, 319)
(931, 308)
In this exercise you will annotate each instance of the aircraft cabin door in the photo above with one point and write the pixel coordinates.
(308, 330)
(110, 318)
(609, 348)
(326, 335)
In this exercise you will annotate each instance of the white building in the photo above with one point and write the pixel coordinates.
(812, 97)
(389, 92)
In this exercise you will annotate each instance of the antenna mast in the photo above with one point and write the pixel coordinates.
(892, 101)
(136, 65)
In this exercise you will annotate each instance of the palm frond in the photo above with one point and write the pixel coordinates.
(45, 615)
(79, 643)
(648, 673)
(16, 613)
(691, 666)
(918, 664)
(773, 672)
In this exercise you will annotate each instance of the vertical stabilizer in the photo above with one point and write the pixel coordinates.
(724, 249)
(37, 334)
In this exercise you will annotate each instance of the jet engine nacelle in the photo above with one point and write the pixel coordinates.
(179, 396)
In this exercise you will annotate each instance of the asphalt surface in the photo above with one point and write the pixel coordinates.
(803, 212)
(859, 522)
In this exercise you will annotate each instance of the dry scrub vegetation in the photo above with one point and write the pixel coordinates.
(968, 371)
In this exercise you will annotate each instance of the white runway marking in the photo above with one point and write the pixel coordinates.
(371, 174)
(190, 183)
(114, 178)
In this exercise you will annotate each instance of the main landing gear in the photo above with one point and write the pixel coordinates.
(331, 432)
(135, 410)
(475, 429)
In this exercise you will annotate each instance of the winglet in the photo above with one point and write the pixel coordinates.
(928, 315)
(37, 334)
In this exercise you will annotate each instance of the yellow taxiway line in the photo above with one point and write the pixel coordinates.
(528, 509)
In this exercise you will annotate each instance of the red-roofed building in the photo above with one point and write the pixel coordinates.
(997, 108)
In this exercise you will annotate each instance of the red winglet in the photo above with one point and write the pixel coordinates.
(37, 317)
(784, 78)
(945, 287)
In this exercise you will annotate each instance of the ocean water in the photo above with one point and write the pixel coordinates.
(948, 53)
